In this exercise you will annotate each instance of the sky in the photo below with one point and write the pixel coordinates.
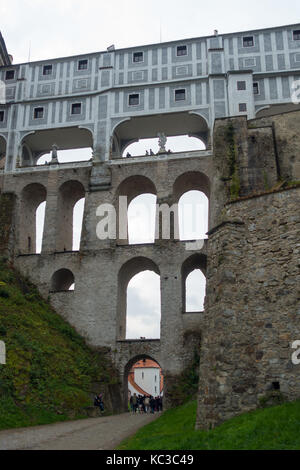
(44, 29)
(58, 28)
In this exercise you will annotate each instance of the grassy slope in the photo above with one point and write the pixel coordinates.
(49, 368)
(275, 428)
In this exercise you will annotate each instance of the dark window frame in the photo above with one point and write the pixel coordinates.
(75, 107)
(39, 112)
(2, 115)
(138, 57)
(241, 85)
(296, 35)
(134, 97)
(180, 94)
(47, 70)
(256, 89)
(242, 105)
(13, 72)
(82, 62)
(181, 51)
(248, 41)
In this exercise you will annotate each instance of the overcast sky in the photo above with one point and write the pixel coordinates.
(44, 29)
(59, 28)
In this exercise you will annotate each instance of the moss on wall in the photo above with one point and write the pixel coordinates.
(50, 371)
(7, 202)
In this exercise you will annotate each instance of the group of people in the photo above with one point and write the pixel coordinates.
(145, 404)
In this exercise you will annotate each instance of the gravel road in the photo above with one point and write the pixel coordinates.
(104, 433)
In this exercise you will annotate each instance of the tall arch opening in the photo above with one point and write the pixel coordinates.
(191, 191)
(193, 216)
(130, 189)
(193, 283)
(141, 219)
(68, 219)
(136, 129)
(32, 215)
(139, 312)
(143, 376)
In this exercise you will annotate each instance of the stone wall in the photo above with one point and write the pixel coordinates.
(252, 313)
(7, 204)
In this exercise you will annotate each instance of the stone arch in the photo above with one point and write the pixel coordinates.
(40, 142)
(131, 268)
(195, 261)
(171, 124)
(62, 280)
(31, 197)
(191, 181)
(186, 182)
(69, 194)
(127, 369)
(131, 187)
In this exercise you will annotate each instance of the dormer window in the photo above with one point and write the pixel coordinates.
(138, 57)
(181, 50)
(248, 41)
(10, 75)
(296, 35)
(47, 70)
(82, 64)
(38, 113)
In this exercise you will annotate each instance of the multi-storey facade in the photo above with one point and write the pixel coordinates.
(193, 81)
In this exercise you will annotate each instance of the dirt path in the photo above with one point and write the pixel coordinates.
(88, 434)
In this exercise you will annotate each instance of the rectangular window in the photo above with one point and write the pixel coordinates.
(82, 64)
(180, 95)
(1, 116)
(242, 107)
(181, 50)
(248, 41)
(10, 75)
(47, 70)
(256, 88)
(297, 57)
(296, 35)
(134, 100)
(76, 108)
(38, 113)
(138, 57)
(241, 85)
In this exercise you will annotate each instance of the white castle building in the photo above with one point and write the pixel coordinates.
(107, 100)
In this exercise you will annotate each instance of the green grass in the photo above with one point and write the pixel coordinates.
(49, 368)
(275, 428)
